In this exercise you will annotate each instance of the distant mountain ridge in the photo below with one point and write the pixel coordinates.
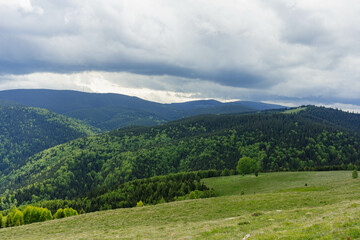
(109, 111)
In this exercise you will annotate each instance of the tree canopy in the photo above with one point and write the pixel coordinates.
(278, 142)
(247, 165)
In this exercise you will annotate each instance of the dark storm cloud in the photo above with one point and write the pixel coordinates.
(115, 36)
(281, 50)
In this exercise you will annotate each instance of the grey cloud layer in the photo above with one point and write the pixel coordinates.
(283, 49)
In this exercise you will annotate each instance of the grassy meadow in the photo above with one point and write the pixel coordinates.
(295, 110)
(270, 206)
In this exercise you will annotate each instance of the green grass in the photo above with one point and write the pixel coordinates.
(281, 208)
(273, 182)
(295, 110)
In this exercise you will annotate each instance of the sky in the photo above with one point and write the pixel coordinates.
(290, 52)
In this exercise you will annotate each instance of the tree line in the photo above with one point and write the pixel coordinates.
(159, 189)
(149, 191)
(33, 214)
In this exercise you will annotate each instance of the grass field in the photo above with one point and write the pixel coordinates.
(295, 110)
(273, 206)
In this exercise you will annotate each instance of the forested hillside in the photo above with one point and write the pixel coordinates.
(25, 131)
(112, 111)
(277, 141)
(333, 117)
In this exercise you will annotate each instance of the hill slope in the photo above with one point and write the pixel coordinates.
(111, 111)
(326, 209)
(25, 131)
(335, 117)
(276, 141)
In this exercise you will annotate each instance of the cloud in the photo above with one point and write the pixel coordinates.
(188, 39)
(298, 50)
(168, 89)
(22, 6)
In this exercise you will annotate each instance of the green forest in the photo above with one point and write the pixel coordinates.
(25, 131)
(159, 189)
(309, 140)
(148, 191)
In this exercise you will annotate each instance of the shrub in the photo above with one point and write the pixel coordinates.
(212, 173)
(162, 200)
(1, 220)
(68, 212)
(355, 174)
(59, 214)
(36, 214)
(18, 218)
(14, 218)
(192, 195)
(225, 172)
(207, 194)
(203, 174)
(139, 204)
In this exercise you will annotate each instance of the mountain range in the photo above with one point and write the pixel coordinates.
(34, 120)
(108, 111)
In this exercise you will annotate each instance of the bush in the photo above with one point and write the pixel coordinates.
(1, 220)
(355, 174)
(68, 212)
(59, 214)
(18, 218)
(14, 218)
(225, 172)
(203, 174)
(36, 214)
(213, 173)
(192, 195)
(139, 204)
